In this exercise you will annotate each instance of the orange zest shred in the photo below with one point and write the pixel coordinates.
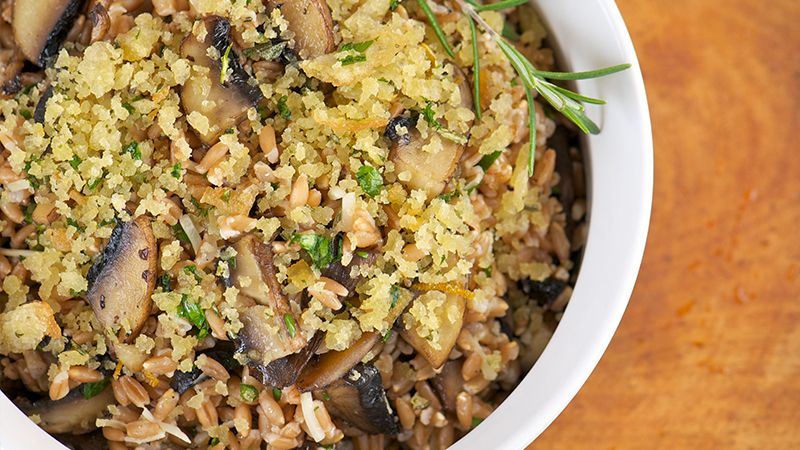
(151, 379)
(446, 288)
(117, 371)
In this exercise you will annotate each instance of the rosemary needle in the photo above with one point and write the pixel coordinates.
(476, 69)
(436, 27)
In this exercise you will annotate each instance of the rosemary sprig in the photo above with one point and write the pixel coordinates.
(437, 28)
(476, 69)
(565, 101)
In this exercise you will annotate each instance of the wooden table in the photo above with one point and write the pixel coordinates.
(708, 354)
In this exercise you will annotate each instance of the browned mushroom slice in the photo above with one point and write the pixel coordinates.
(223, 100)
(358, 399)
(284, 371)
(425, 170)
(332, 365)
(255, 274)
(266, 335)
(311, 25)
(123, 278)
(436, 347)
(448, 384)
(328, 367)
(342, 274)
(73, 414)
(40, 26)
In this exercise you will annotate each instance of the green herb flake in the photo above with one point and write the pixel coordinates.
(387, 335)
(199, 209)
(28, 213)
(128, 107)
(276, 394)
(326, 396)
(362, 253)
(226, 196)
(165, 281)
(90, 390)
(291, 327)
(73, 223)
(176, 171)
(359, 47)
(133, 150)
(26, 114)
(353, 59)
(476, 421)
(226, 61)
(370, 180)
(192, 312)
(265, 52)
(487, 160)
(75, 162)
(180, 234)
(394, 293)
(320, 249)
(213, 442)
(93, 184)
(283, 109)
(248, 392)
(393, 5)
(192, 269)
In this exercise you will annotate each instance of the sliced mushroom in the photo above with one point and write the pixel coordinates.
(270, 330)
(435, 349)
(122, 279)
(358, 399)
(448, 384)
(73, 414)
(311, 25)
(342, 274)
(284, 371)
(255, 274)
(101, 22)
(330, 366)
(427, 171)
(224, 104)
(41, 105)
(11, 64)
(40, 26)
(223, 353)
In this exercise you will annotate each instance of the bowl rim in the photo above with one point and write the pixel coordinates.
(620, 184)
(562, 368)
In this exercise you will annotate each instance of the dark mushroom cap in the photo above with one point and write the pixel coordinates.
(358, 399)
(123, 277)
(40, 26)
(73, 414)
(311, 25)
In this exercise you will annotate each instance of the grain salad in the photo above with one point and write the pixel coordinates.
(282, 224)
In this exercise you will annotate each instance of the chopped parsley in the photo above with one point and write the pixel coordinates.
(213, 442)
(488, 160)
(73, 223)
(387, 335)
(226, 61)
(90, 390)
(28, 213)
(320, 248)
(394, 293)
(352, 59)
(362, 253)
(360, 47)
(192, 312)
(248, 392)
(165, 282)
(32, 180)
(26, 114)
(326, 396)
(370, 180)
(291, 327)
(176, 171)
(394, 4)
(277, 393)
(92, 185)
(476, 421)
(133, 149)
(128, 107)
(75, 162)
(180, 234)
(191, 269)
(200, 209)
(430, 116)
(265, 52)
(283, 109)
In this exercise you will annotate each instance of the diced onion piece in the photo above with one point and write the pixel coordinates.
(191, 232)
(314, 428)
(19, 185)
(348, 211)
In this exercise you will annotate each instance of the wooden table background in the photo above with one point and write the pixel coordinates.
(708, 354)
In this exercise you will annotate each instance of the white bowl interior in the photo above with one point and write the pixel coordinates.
(619, 161)
(590, 34)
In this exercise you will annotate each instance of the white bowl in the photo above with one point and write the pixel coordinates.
(588, 34)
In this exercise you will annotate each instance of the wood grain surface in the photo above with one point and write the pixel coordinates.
(708, 354)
